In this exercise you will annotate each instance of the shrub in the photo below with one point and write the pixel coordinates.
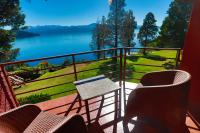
(27, 73)
(155, 57)
(32, 99)
(45, 67)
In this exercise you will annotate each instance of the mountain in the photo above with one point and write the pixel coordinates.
(57, 29)
(25, 34)
(33, 31)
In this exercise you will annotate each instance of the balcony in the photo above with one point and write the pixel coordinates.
(126, 68)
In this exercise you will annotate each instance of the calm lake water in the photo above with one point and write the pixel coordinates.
(52, 45)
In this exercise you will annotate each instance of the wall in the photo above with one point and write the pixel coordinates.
(191, 59)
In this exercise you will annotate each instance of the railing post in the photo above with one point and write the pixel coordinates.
(104, 54)
(177, 58)
(121, 80)
(121, 67)
(124, 77)
(74, 66)
(7, 88)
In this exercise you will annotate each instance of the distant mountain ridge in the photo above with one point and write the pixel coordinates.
(57, 29)
(33, 31)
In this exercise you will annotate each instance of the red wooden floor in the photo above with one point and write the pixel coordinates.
(102, 114)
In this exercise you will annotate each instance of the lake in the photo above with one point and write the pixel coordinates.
(52, 45)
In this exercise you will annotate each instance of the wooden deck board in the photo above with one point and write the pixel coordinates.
(102, 114)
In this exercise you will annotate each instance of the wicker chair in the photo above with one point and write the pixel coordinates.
(30, 119)
(162, 98)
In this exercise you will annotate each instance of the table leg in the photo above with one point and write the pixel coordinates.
(79, 100)
(87, 111)
(116, 104)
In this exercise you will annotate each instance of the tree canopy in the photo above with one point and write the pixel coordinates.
(128, 29)
(11, 19)
(120, 26)
(115, 19)
(148, 31)
(100, 36)
(175, 25)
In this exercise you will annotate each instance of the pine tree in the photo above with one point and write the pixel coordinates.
(115, 19)
(175, 25)
(100, 36)
(148, 31)
(128, 28)
(11, 19)
(118, 30)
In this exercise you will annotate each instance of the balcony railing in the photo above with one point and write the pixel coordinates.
(116, 67)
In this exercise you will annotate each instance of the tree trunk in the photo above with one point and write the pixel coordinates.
(145, 45)
(129, 45)
(98, 47)
(116, 41)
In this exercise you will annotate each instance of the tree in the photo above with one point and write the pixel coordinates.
(100, 36)
(128, 28)
(148, 31)
(11, 19)
(175, 25)
(115, 19)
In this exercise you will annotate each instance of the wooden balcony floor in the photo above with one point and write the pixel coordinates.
(102, 113)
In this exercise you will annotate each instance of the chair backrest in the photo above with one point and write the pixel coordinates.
(165, 103)
(18, 119)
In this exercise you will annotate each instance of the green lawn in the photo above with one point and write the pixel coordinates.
(156, 58)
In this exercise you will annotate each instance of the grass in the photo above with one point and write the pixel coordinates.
(140, 59)
(153, 58)
(54, 91)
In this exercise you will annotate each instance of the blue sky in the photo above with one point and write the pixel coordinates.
(82, 12)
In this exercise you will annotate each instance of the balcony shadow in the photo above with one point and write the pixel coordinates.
(102, 113)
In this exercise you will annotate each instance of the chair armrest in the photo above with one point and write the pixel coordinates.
(19, 118)
(72, 124)
(158, 78)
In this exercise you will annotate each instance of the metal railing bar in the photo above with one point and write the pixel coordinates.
(132, 78)
(62, 92)
(136, 71)
(153, 48)
(36, 70)
(132, 55)
(54, 57)
(87, 70)
(43, 88)
(89, 61)
(36, 80)
(146, 65)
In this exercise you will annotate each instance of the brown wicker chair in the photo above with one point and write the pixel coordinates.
(30, 119)
(162, 98)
